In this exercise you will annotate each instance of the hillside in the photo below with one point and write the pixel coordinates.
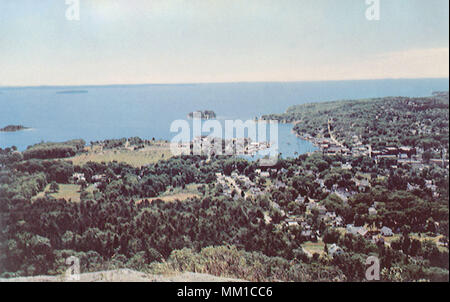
(391, 121)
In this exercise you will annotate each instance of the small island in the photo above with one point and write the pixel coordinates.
(206, 114)
(13, 128)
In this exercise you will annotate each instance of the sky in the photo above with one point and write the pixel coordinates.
(198, 41)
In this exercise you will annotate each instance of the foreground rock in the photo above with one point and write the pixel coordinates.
(126, 275)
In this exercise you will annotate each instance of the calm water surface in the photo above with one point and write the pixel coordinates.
(148, 110)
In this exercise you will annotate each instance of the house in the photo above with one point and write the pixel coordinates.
(306, 233)
(391, 151)
(411, 187)
(362, 231)
(99, 177)
(300, 199)
(408, 151)
(346, 166)
(385, 231)
(372, 211)
(338, 221)
(321, 182)
(78, 177)
(342, 194)
(265, 174)
(311, 205)
(331, 215)
(402, 156)
(431, 186)
(291, 223)
(362, 184)
(335, 250)
(351, 229)
(305, 225)
(280, 184)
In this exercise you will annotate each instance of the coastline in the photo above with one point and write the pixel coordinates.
(305, 138)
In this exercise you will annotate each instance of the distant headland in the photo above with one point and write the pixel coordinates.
(13, 128)
(71, 91)
(206, 114)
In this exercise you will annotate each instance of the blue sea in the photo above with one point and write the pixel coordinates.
(147, 111)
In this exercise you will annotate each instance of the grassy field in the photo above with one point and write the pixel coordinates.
(314, 247)
(135, 158)
(69, 192)
(174, 194)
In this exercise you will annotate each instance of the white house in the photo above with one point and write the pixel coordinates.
(265, 174)
(356, 230)
(292, 223)
(300, 199)
(385, 231)
(372, 211)
(78, 177)
(346, 166)
(338, 221)
(334, 250)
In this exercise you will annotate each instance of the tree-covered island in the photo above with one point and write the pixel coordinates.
(13, 128)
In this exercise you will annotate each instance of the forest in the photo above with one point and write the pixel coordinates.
(238, 235)
(391, 121)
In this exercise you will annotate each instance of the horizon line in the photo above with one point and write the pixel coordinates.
(219, 82)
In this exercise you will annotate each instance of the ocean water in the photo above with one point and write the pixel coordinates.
(147, 111)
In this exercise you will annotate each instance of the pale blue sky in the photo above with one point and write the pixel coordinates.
(185, 41)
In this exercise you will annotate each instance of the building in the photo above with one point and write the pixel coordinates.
(78, 177)
(335, 250)
(351, 229)
(300, 199)
(291, 223)
(265, 174)
(99, 177)
(385, 231)
(372, 211)
(338, 221)
(346, 166)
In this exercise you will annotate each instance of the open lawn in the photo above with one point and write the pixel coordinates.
(420, 237)
(171, 198)
(69, 192)
(314, 247)
(135, 158)
(173, 194)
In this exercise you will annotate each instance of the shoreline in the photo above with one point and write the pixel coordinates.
(305, 139)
